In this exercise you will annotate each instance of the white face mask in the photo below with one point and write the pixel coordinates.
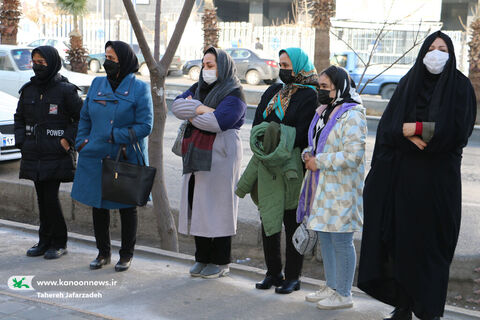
(209, 76)
(435, 61)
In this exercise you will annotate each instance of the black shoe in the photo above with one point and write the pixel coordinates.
(288, 286)
(53, 253)
(99, 262)
(270, 281)
(123, 264)
(37, 250)
(400, 314)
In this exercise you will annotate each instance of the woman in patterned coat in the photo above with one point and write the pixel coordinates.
(331, 198)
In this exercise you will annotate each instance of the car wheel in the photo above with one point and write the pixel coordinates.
(194, 73)
(387, 91)
(144, 70)
(252, 77)
(94, 66)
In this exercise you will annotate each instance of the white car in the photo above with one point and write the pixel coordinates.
(8, 106)
(61, 45)
(16, 70)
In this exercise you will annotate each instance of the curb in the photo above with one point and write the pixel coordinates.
(249, 272)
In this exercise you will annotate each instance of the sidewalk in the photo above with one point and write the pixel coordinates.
(157, 286)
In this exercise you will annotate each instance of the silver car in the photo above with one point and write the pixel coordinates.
(8, 105)
(16, 70)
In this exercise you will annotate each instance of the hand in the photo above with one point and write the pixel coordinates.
(202, 109)
(65, 144)
(82, 145)
(409, 129)
(189, 98)
(418, 142)
(310, 163)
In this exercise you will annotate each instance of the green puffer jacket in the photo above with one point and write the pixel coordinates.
(274, 175)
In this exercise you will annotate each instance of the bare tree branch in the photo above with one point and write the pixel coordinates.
(177, 33)
(137, 28)
(416, 42)
(349, 46)
(156, 42)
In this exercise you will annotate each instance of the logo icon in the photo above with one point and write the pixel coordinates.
(23, 283)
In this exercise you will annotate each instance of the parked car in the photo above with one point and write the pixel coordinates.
(95, 62)
(16, 70)
(250, 67)
(62, 45)
(8, 106)
(384, 85)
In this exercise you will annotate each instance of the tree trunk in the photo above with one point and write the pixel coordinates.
(158, 72)
(9, 18)
(322, 49)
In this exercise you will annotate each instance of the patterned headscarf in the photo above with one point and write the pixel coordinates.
(305, 76)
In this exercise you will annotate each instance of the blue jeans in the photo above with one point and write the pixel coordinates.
(339, 257)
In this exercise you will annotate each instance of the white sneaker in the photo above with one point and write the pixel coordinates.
(324, 292)
(335, 301)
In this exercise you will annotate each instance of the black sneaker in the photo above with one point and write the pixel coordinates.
(37, 250)
(53, 253)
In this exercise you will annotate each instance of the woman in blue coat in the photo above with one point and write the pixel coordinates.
(114, 104)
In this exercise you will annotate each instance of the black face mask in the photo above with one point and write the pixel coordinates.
(111, 68)
(286, 76)
(41, 71)
(324, 96)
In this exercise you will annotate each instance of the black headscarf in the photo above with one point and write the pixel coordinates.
(227, 82)
(449, 101)
(345, 89)
(127, 59)
(50, 54)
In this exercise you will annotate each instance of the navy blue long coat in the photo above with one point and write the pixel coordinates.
(106, 115)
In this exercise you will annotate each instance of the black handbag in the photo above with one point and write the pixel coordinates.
(125, 182)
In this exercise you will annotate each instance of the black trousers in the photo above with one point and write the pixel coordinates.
(53, 229)
(209, 250)
(213, 250)
(271, 249)
(101, 228)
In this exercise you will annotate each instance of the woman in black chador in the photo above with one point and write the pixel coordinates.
(412, 195)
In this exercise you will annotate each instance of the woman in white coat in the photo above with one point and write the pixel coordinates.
(211, 153)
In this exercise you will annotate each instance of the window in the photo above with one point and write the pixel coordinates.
(23, 58)
(233, 54)
(339, 60)
(243, 54)
(51, 42)
(36, 43)
(5, 64)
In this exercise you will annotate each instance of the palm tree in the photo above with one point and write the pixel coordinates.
(323, 10)
(77, 55)
(210, 27)
(474, 57)
(9, 18)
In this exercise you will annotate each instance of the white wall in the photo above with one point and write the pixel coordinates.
(393, 10)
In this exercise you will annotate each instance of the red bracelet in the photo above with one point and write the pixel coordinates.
(419, 128)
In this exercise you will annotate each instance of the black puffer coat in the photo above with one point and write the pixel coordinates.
(46, 113)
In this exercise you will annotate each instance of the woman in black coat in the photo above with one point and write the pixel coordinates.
(292, 103)
(412, 194)
(46, 123)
